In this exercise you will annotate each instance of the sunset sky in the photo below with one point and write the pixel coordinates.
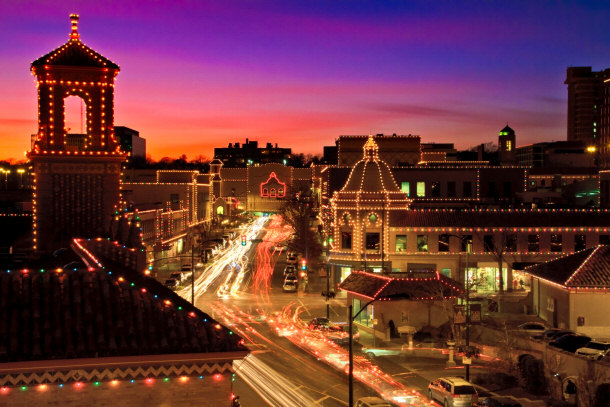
(200, 74)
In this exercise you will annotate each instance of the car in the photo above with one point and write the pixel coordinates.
(179, 276)
(571, 342)
(318, 323)
(532, 328)
(186, 267)
(171, 283)
(373, 352)
(290, 284)
(552, 334)
(372, 402)
(291, 258)
(498, 402)
(290, 270)
(594, 350)
(452, 392)
(345, 327)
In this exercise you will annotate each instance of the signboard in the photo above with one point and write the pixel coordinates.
(466, 361)
(475, 314)
(459, 315)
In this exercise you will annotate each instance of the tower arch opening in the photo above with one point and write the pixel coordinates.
(75, 123)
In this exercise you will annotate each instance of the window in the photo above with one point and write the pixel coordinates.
(451, 189)
(533, 243)
(372, 218)
(604, 239)
(509, 145)
(422, 243)
(508, 189)
(346, 219)
(265, 192)
(467, 189)
(421, 189)
(466, 243)
(511, 243)
(580, 242)
(220, 210)
(488, 243)
(372, 241)
(443, 243)
(405, 187)
(173, 198)
(272, 193)
(346, 240)
(401, 243)
(492, 190)
(435, 189)
(556, 243)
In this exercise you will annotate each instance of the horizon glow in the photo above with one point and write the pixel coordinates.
(201, 74)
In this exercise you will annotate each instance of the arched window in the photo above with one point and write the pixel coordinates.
(272, 193)
(265, 192)
(75, 123)
(220, 210)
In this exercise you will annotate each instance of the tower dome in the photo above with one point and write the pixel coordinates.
(371, 174)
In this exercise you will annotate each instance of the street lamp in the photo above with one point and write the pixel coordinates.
(464, 238)
(20, 171)
(351, 319)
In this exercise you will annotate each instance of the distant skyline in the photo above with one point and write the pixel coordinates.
(201, 74)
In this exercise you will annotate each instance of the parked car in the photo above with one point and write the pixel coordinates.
(571, 342)
(372, 402)
(594, 350)
(552, 334)
(498, 402)
(532, 328)
(171, 283)
(290, 270)
(290, 284)
(186, 267)
(452, 392)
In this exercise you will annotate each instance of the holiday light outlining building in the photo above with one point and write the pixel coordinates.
(76, 179)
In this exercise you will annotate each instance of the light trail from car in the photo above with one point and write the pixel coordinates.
(218, 268)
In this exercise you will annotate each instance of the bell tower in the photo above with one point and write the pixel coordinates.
(76, 176)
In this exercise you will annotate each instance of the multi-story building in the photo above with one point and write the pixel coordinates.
(249, 153)
(585, 98)
(131, 142)
(374, 227)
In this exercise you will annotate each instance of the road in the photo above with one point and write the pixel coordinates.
(290, 365)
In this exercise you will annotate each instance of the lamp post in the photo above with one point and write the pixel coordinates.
(467, 283)
(20, 171)
(351, 319)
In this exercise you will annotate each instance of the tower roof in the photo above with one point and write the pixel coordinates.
(75, 53)
(371, 174)
(507, 131)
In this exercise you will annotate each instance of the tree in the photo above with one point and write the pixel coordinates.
(298, 212)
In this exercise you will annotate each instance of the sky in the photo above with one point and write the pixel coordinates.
(201, 74)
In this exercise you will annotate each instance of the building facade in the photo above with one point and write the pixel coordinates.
(585, 98)
(75, 177)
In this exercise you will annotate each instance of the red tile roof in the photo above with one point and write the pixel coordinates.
(74, 53)
(410, 286)
(587, 268)
(78, 314)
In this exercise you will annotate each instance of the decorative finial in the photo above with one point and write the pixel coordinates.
(371, 149)
(74, 19)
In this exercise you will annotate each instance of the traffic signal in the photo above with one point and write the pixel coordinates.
(303, 264)
(243, 240)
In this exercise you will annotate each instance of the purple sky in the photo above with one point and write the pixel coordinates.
(200, 74)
